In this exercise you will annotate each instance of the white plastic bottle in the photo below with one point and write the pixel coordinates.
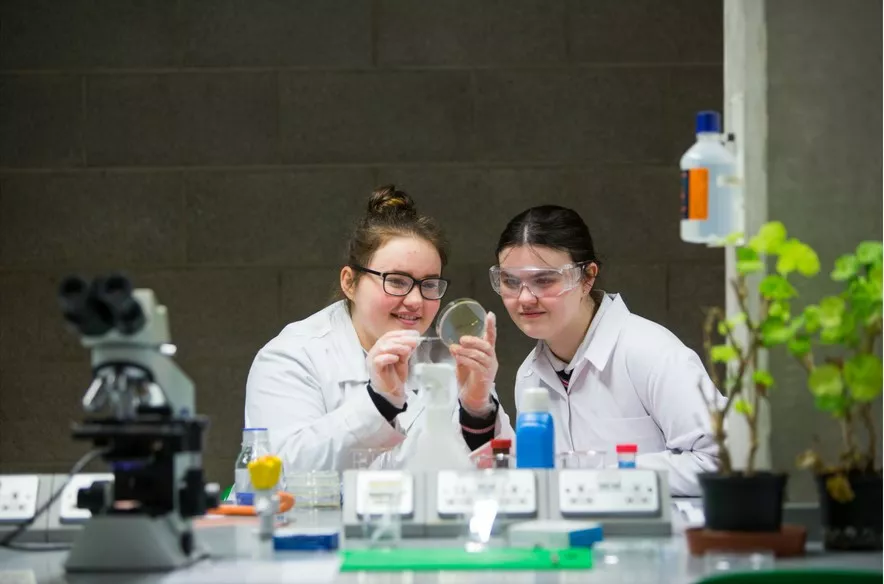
(711, 198)
(440, 445)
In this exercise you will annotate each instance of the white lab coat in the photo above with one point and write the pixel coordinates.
(307, 386)
(633, 381)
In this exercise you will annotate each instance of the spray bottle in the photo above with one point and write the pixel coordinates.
(440, 445)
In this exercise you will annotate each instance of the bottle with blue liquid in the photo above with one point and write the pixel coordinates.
(711, 196)
(535, 432)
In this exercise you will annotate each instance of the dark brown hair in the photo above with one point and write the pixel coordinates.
(550, 226)
(390, 213)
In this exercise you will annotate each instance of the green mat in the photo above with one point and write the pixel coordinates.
(433, 559)
(808, 576)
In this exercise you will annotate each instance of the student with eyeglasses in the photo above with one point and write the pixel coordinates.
(613, 377)
(335, 382)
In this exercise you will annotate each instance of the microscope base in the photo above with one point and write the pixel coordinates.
(134, 543)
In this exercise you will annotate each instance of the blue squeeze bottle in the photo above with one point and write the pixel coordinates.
(535, 432)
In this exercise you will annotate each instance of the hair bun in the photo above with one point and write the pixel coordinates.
(386, 200)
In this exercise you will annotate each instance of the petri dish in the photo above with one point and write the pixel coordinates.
(460, 318)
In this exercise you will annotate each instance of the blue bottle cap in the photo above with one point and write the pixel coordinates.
(708, 121)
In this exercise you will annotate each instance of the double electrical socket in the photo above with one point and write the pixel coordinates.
(22, 495)
(439, 504)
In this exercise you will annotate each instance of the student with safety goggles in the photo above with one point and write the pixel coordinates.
(613, 376)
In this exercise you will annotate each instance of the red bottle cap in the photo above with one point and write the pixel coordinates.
(501, 444)
(627, 448)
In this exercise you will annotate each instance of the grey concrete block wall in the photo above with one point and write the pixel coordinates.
(219, 151)
(824, 176)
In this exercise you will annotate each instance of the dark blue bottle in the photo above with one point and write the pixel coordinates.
(535, 433)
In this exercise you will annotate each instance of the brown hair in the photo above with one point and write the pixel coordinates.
(390, 213)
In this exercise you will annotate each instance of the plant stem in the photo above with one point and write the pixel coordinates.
(719, 435)
(849, 442)
(869, 423)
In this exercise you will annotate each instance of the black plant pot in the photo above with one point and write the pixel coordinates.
(855, 525)
(737, 502)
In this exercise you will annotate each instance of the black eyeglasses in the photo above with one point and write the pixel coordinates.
(398, 284)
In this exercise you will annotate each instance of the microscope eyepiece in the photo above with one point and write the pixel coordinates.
(115, 292)
(81, 309)
(97, 308)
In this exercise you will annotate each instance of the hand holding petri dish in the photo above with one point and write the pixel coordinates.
(460, 318)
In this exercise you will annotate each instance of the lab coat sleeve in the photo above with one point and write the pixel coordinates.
(283, 394)
(673, 399)
(502, 427)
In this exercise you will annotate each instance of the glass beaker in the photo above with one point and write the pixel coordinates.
(738, 561)
(581, 459)
(366, 458)
(381, 519)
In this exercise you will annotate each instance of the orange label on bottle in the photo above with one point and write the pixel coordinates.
(695, 194)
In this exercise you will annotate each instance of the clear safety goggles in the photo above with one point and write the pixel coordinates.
(542, 282)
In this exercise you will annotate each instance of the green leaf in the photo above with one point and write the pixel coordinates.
(723, 353)
(779, 310)
(825, 380)
(733, 238)
(864, 298)
(797, 256)
(831, 311)
(863, 375)
(811, 318)
(731, 323)
(776, 287)
(748, 261)
(743, 407)
(799, 347)
(845, 268)
(762, 377)
(876, 278)
(776, 332)
(808, 262)
(831, 336)
(869, 253)
(834, 404)
(769, 238)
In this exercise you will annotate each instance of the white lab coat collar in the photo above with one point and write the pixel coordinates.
(598, 344)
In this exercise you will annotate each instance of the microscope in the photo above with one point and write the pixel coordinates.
(141, 412)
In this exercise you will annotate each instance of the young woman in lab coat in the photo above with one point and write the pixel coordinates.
(335, 382)
(613, 377)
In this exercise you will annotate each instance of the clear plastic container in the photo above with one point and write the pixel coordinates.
(715, 562)
(581, 459)
(255, 444)
(366, 458)
(460, 318)
(319, 489)
(711, 197)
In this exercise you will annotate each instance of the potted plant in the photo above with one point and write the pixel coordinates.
(750, 500)
(838, 345)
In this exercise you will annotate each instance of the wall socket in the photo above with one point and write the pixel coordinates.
(585, 493)
(18, 497)
(68, 511)
(514, 490)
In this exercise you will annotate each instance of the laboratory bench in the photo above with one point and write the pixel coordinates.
(238, 556)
